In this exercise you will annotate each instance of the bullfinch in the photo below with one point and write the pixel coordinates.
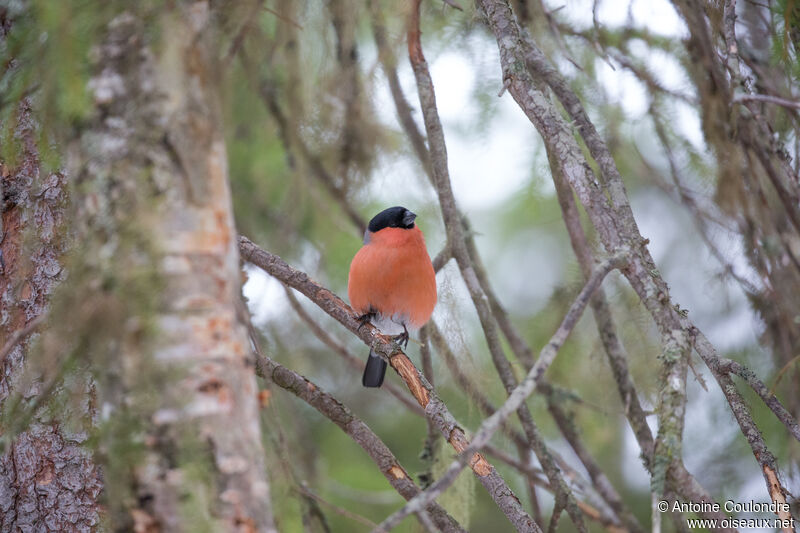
(392, 283)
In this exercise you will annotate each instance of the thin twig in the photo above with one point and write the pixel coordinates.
(20, 334)
(282, 17)
(549, 352)
(766, 395)
(740, 410)
(598, 477)
(303, 489)
(531, 474)
(777, 100)
(428, 454)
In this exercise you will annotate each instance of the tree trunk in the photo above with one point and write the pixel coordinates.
(48, 482)
(156, 214)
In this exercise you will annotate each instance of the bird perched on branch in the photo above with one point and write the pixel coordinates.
(392, 283)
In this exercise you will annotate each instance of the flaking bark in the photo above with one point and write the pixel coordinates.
(48, 481)
(152, 163)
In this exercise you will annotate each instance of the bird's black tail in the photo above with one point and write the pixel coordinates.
(374, 372)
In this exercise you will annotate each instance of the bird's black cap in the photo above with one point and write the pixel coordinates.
(393, 217)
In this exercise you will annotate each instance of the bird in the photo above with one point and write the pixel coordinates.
(391, 283)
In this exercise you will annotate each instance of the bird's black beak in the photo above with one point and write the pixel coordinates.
(408, 218)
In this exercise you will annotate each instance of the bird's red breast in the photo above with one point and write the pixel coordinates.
(392, 275)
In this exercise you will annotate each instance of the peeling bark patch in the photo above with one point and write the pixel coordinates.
(217, 388)
(397, 472)
(245, 524)
(775, 492)
(210, 386)
(479, 465)
(406, 369)
(477, 462)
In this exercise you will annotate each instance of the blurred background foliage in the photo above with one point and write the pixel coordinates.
(316, 149)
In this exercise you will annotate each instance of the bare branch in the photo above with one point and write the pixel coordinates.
(741, 412)
(456, 241)
(548, 353)
(515, 399)
(606, 205)
(681, 480)
(428, 454)
(599, 479)
(303, 489)
(435, 409)
(351, 359)
(532, 475)
(729, 366)
(729, 31)
(615, 351)
(518, 345)
(340, 415)
(401, 105)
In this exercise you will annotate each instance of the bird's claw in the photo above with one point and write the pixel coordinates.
(363, 319)
(402, 339)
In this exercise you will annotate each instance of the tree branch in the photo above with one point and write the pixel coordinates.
(769, 399)
(422, 391)
(765, 459)
(351, 359)
(606, 204)
(777, 100)
(356, 429)
(456, 241)
(681, 480)
(515, 399)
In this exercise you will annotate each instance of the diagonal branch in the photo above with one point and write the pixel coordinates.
(457, 243)
(618, 361)
(340, 415)
(422, 391)
(515, 399)
(609, 211)
(532, 476)
(740, 410)
(607, 206)
(758, 386)
(351, 359)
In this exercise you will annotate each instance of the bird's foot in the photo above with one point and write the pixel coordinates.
(402, 339)
(363, 319)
